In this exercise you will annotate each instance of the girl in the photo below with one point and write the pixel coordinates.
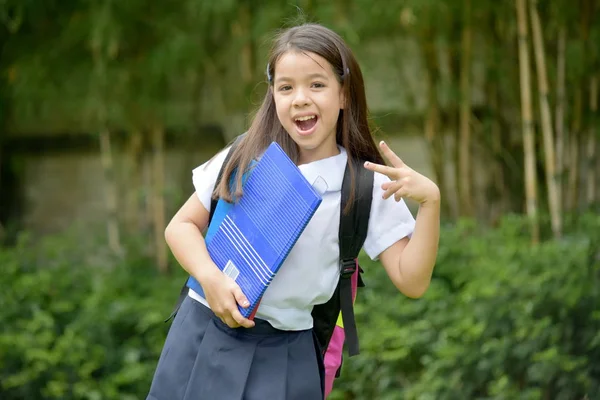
(315, 108)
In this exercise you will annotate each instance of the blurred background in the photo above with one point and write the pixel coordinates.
(106, 106)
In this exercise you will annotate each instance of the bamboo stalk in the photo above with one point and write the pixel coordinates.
(247, 54)
(527, 122)
(499, 202)
(452, 139)
(560, 113)
(432, 120)
(499, 198)
(464, 165)
(592, 143)
(147, 194)
(573, 183)
(134, 173)
(547, 131)
(158, 199)
(110, 191)
(577, 139)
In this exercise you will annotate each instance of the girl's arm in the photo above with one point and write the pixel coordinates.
(185, 239)
(409, 263)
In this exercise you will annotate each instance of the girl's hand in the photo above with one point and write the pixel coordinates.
(405, 182)
(223, 295)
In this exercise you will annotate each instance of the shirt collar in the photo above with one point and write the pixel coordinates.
(331, 169)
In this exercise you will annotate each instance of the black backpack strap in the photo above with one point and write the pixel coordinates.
(214, 201)
(213, 204)
(352, 235)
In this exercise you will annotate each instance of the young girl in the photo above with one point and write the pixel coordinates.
(315, 108)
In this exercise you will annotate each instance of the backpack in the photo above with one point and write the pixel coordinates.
(333, 322)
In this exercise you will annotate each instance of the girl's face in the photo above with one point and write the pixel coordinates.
(308, 99)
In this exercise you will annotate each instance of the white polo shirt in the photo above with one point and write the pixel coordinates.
(310, 273)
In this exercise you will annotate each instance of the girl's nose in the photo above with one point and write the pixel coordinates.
(301, 99)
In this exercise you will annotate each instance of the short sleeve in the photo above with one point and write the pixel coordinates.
(389, 220)
(205, 176)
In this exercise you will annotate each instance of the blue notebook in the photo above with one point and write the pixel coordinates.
(250, 239)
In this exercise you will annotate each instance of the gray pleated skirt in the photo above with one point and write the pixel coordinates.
(204, 359)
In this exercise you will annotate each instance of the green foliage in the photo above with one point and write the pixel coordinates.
(76, 331)
(501, 320)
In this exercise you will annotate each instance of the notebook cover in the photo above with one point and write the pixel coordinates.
(250, 239)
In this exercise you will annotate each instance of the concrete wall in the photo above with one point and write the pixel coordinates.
(60, 188)
(63, 189)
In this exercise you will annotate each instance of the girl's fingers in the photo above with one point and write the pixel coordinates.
(233, 311)
(240, 298)
(386, 185)
(382, 169)
(390, 155)
(240, 320)
(230, 322)
(400, 194)
(392, 188)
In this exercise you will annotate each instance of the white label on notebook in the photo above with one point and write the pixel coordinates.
(231, 271)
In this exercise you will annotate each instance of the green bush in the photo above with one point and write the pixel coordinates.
(501, 320)
(80, 331)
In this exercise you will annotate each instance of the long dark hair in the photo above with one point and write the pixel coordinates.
(353, 132)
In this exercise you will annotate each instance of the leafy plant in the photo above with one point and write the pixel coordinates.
(501, 320)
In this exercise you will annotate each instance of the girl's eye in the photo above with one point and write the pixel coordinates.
(318, 85)
(284, 88)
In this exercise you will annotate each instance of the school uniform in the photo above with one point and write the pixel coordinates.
(279, 358)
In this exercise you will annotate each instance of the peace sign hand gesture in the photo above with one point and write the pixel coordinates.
(405, 182)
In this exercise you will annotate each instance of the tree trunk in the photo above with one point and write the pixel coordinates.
(219, 105)
(308, 8)
(247, 57)
(452, 136)
(158, 198)
(499, 201)
(573, 167)
(110, 192)
(576, 194)
(147, 194)
(499, 195)
(196, 122)
(560, 114)
(527, 122)
(547, 131)
(432, 121)
(592, 143)
(465, 176)
(133, 172)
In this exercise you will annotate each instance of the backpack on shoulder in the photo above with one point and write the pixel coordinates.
(333, 321)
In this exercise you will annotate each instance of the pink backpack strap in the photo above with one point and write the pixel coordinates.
(334, 323)
(334, 351)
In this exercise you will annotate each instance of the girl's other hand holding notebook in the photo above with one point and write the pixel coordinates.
(223, 296)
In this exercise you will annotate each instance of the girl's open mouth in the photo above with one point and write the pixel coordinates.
(306, 125)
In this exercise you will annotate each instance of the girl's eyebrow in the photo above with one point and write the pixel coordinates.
(310, 76)
(318, 75)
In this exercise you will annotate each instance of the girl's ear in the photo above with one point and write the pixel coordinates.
(342, 99)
